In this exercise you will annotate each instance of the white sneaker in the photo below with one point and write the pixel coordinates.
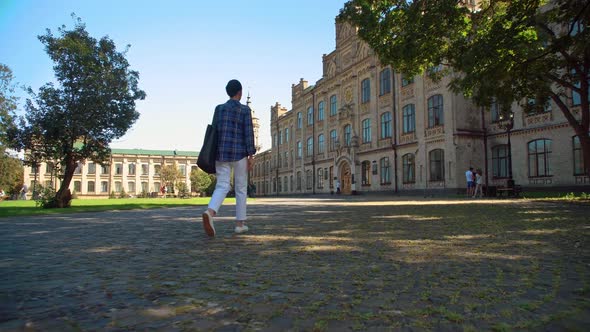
(241, 229)
(208, 223)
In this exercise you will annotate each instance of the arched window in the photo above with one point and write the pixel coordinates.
(500, 161)
(299, 149)
(540, 158)
(308, 179)
(409, 119)
(409, 168)
(435, 111)
(299, 120)
(386, 125)
(299, 180)
(310, 115)
(309, 147)
(437, 162)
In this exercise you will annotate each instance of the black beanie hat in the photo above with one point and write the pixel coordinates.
(233, 87)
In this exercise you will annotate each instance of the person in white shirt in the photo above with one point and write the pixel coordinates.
(470, 183)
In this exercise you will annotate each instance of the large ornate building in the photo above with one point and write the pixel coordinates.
(365, 127)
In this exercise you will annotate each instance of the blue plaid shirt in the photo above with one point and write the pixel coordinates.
(235, 132)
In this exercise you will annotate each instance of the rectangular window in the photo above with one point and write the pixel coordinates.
(385, 175)
(409, 168)
(131, 187)
(495, 111)
(78, 169)
(333, 139)
(145, 169)
(286, 135)
(321, 143)
(118, 169)
(435, 111)
(539, 158)
(347, 135)
(308, 179)
(437, 162)
(182, 170)
(49, 168)
(131, 169)
(77, 186)
(299, 149)
(366, 130)
(91, 188)
(333, 105)
(104, 187)
(299, 120)
(91, 168)
(366, 173)
(321, 111)
(385, 81)
(104, 169)
(280, 137)
(385, 125)
(310, 115)
(409, 119)
(310, 147)
(118, 186)
(320, 178)
(157, 169)
(500, 161)
(365, 91)
(578, 156)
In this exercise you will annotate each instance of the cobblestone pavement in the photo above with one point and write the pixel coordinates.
(307, 264)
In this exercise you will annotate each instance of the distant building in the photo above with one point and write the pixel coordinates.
(373, 129)
(134, 171)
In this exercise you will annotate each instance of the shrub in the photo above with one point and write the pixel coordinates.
(123, 194)
(112, 195)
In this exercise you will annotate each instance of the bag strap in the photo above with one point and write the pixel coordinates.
(216, 114)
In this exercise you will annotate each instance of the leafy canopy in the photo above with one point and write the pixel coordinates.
(91, 103)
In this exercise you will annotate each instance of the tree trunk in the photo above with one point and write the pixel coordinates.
(63, 197)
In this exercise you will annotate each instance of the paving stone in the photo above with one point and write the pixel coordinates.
(307, 263)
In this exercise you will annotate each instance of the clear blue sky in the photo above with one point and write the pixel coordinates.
(185, 52)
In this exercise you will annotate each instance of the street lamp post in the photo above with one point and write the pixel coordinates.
(508, 124)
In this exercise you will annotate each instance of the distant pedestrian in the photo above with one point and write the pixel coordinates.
(337, 185)
(23, 192)
(478, 184)
(235, 150)
(470, 182)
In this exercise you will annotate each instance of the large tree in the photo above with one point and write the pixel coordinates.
(497, 50)
(7, 104)
(91, 103)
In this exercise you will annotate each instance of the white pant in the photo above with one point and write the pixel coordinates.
(223, 173)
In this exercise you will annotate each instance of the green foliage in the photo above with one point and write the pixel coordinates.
(11, 174)
(45, 197)
(211, 188)
(7, 104)
(183, 191)
(123, 194)
(112, 195)
(92, 103)
(505, 51)
(169, 174)
(200, 180)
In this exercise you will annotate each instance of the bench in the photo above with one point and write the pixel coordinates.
(511, 189)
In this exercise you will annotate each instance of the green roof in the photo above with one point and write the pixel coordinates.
(156, 152)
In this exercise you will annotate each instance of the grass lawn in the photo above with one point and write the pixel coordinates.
(27, 208)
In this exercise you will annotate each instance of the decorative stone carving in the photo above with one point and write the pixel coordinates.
(407, 92)
(538, 118)
(434, 131)
(407, 138)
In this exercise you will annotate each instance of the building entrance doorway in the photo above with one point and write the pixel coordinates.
(345, 179)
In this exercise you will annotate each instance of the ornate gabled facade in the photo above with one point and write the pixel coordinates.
(365, 127)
